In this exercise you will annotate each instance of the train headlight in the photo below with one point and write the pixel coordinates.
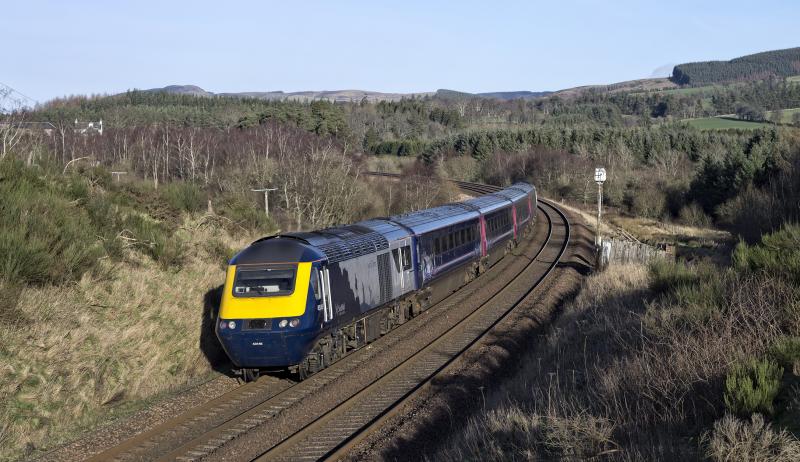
(283, 323)
(231, 324)
(223, 324)
(294, 322)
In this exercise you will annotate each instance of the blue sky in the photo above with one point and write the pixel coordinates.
(57, 48)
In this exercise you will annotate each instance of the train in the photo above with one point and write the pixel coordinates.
(301, 300)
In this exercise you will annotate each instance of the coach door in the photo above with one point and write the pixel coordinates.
(403, 268)
(325, 289)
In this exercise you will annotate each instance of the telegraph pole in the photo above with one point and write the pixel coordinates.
(599, 178)
(266, 198)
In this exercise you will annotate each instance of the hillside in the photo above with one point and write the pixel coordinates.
(346, 96)
(777, 63)
(631, 86)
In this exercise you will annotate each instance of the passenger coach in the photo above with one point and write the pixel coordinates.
(302, 300)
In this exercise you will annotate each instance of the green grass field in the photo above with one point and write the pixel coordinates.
(788, 114)
(723, 123)
(794, 78)
(689, 90)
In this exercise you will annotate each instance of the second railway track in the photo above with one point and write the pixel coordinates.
(258, 421)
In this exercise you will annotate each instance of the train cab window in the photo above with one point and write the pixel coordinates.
(406, 256)
(315, 284)
(264, 281)
(396, 259)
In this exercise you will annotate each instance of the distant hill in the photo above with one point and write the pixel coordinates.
(181, 90)
(632, 86)
(348, 95)
(778, 63)
(509, 95)
(335, 95)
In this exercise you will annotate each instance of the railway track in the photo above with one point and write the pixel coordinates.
(339, 429)
(257, 421)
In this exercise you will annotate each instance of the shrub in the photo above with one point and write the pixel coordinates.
(245, 213)
(752, 387)
(693, 215)
(186, 197)
(666, 275)
(155, 240)
(43, 237)
(777, 253)
(734, 439)
(219, 252)
(786, 352)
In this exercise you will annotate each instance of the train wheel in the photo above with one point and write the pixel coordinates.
(250, 375)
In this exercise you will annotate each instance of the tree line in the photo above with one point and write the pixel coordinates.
(778, 63)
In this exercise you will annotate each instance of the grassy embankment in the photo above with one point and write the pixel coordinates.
(668, 362)
(108, 290)
(104, 290)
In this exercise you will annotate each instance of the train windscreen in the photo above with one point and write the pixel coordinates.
(264, 281)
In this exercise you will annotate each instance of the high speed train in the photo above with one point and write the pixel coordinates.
(302, 300)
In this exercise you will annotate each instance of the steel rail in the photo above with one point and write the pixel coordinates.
(199, 431)
(337, 431)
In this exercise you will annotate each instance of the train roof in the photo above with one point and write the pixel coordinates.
(277, 249)
(524, 187)
(488, 203)
(344, 242)
(513, 194)
(423, 221)
(389, 229)
(370, 236)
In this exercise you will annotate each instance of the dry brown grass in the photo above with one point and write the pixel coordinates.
(658, 231)
(650, 230)
(631, 374)
(756, 441)
(87, 350)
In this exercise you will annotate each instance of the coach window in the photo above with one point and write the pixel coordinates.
(406, 254)
(396, 258)
(452, 241)
(315, 284)
(436, 249)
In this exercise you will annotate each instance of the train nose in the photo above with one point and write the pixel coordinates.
(259, 348)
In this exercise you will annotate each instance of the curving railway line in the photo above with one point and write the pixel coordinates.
(276, 418)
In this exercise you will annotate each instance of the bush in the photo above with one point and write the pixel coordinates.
(752, 387)
(693, 215)
(778, 253)
(686, 295)
(155, 240)
(734, 439)
(43, 237)
(186, 197)
(245, 213)
(666, 275)
(219, 252)
(786, 352)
